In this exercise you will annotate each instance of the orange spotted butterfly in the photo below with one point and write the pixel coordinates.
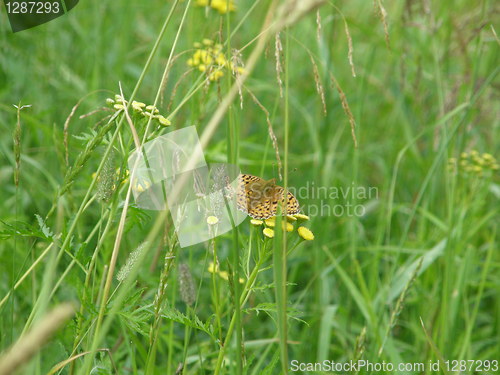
(260, 198)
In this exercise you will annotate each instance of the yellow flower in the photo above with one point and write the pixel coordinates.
(141, 186)
(305, 233)
(476, 163)
(256, 222)
(488, 157)
(291, 218)
(125, 175)
(271, 222)
(152, 109)
(237, 70)
(138, 106)
(268, 232)
(212, 268)
(215, 76)
(212, 220)
(287, 226)
(205, 56)
(141, 109)
(163, 120)
(301, 217)
(220, 59)
(207, 42)
(208, 57)
(222, 6)
(223, 274)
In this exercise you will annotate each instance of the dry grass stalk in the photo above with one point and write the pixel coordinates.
(292, 11)
(347, 109)
(350, 48)
(64, 363)
(129, 120)
(382, 13)
(271, 132)
(319, 86)
(165, 79)
(176, 87)
(237, 61)
(28, 345)
(318, 24)
(278, 52)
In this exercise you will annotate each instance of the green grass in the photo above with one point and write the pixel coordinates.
(412, 280)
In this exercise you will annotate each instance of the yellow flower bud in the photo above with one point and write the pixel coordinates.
(268, 232)
(212, 220)
(305, 233)
(163, 120)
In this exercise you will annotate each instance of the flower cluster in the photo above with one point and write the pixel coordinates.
(288, 225)
(208, 57)
(222, 6)
(139, 108)
(223, 274)
(474, 163)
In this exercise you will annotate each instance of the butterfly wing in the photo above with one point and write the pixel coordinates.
(242, 196)
(259, 198)
(292, 204)
(250, 198)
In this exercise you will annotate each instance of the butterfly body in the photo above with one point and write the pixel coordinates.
(260, 198)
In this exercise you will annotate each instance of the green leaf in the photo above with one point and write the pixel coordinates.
(175, 315)
(270, 308)
(45, 229)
